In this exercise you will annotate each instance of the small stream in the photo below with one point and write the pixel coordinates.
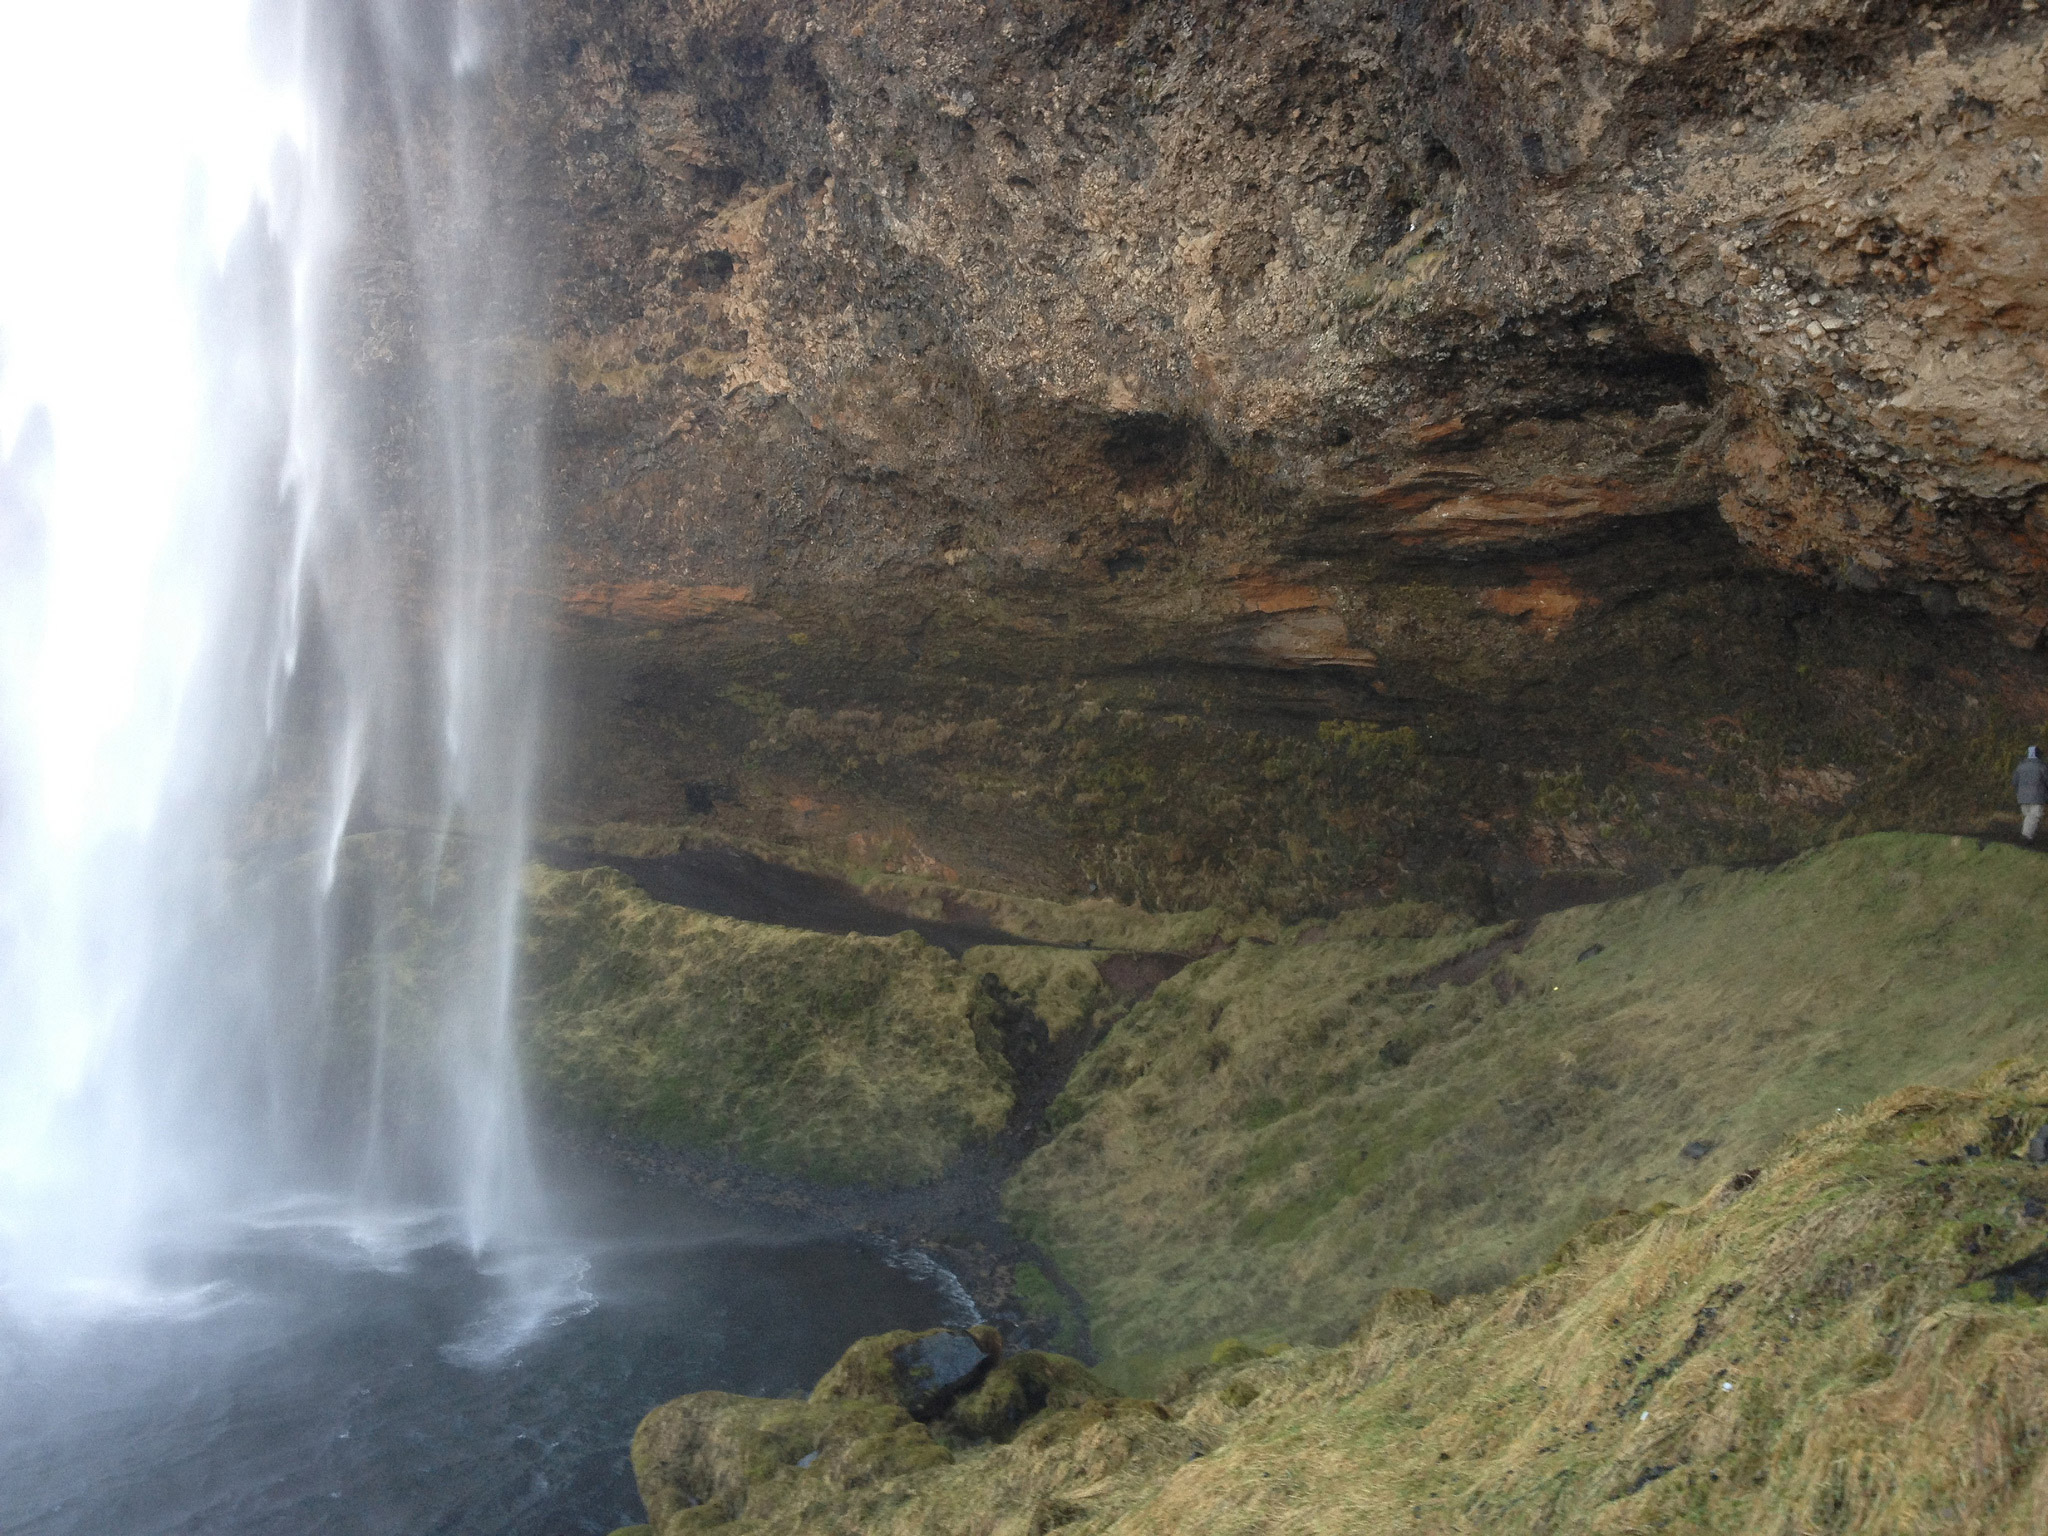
(291, 1376)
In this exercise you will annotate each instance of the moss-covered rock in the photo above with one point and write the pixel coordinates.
(701, 1459)
(1062, 986)
(1020, 1388)
(713, 1460)
(923, 1372)
(845, 1059)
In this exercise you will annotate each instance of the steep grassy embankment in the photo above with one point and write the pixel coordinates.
(838, 1057)
(1848, 1341)
(842, 1058)
(1285, 1131)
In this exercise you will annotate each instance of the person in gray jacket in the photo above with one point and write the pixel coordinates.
(2030, 781)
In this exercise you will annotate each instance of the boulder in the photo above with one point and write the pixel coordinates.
(923, 1373)
(714, 1457)
(1017, 1389)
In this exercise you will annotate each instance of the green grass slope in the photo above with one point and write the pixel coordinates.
(841, 1058)
(1848, 1342)
(1285, 1131)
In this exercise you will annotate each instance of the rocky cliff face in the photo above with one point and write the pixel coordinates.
(1308, 361)
(856, 284)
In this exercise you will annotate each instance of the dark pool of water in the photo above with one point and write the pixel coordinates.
(315, 1388)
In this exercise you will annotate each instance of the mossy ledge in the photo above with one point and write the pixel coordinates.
(832, 1058)
(1846, 1339)
(839, 1058)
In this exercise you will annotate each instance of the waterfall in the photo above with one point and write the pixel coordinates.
(268, 697)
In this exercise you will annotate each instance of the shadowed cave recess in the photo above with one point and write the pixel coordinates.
(1289, 455)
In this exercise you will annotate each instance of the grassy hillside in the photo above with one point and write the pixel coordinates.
(839, 1057)
(1849, 1340)
(1285, 1131)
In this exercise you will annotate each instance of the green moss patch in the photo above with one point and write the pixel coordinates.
(1047, 1303)
(1023, 1386)
(844, 1059)
(1284, 1131)
(1062, 986)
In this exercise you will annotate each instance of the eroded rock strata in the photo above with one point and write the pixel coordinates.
(1219, 370)
(859, 284)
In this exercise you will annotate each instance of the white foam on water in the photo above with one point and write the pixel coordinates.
(922, 1266)
(535, 1292)
(384, 1238)
(93, 1303)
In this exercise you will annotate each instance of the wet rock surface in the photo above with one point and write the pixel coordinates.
(1699, 712)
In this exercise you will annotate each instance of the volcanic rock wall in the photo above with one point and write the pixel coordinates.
(1390, 345)
(853, 284)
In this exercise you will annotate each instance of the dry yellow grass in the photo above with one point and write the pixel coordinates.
(1814, 1350)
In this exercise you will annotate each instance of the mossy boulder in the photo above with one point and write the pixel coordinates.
(922, 1372)
(700, 1459)
(1017, 1390)
(840, 1058)
(715, 1460)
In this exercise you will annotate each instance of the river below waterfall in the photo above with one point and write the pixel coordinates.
(292, 1377)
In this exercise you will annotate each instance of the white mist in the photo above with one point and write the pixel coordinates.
(266, 706)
